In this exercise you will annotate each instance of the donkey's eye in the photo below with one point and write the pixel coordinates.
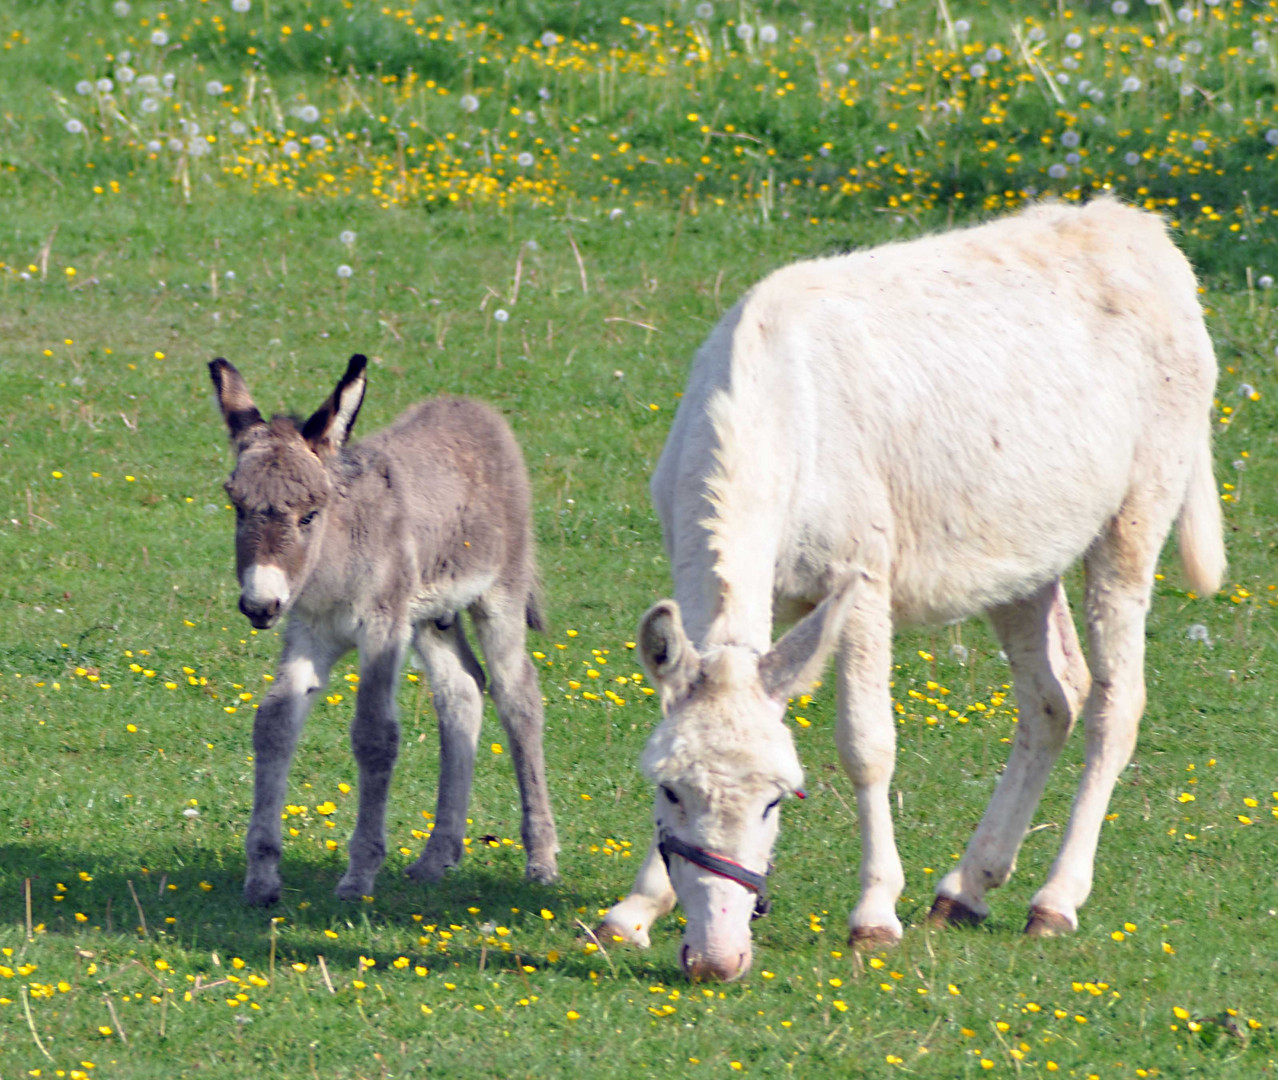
(308, 519)
(770, 807)
(674, 799)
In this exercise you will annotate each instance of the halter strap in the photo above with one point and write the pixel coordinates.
(669, 844)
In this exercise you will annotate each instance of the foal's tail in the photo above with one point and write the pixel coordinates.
(1199, 530)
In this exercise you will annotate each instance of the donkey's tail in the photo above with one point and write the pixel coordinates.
(1199, 529)
(532, 612)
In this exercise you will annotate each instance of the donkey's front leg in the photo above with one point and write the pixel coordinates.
(375, 744)
(303, 671)
(651, 897)
(866, 737)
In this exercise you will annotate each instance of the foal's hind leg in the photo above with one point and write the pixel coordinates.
(499, 621)
(1120, 571)
(375, 744)
(453, 676)
(1051, 684)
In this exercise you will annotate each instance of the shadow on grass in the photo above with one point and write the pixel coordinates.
(196, 905)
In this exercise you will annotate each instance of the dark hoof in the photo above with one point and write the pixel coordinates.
(1044, 923)
(946, 911)
(432, 866)
(261, 893)
(873, 938)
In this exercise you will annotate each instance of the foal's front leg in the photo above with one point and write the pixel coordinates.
(375, 744)
(277, 725)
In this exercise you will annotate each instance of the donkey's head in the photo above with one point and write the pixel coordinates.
(281, 486)
(723, 760)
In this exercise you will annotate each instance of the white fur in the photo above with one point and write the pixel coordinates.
(960, 418)
(264, 583)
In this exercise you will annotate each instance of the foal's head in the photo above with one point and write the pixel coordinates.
(723, 760)
(281, 487)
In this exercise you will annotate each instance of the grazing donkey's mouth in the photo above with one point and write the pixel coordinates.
(262, 617)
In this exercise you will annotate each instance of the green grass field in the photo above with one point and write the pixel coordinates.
(671, 161)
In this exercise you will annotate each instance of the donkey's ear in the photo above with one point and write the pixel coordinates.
(797, 659)
(241, 415)
(667, 652)
(328, 429)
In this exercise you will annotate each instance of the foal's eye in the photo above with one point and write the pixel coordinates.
(674, 799)
(770, 807)
(308, 519)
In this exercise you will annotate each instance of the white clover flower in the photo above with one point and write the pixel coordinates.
(524, 160)
(549, 39)
(1131, 157)
(291, 147)
(344, 271)
(347, 237)
(149, 105)
(241, 6)
(704, 10)
(1057, 171)
(745, 31)
(121, 8)
(501, 315)
(317, 142)
(1073, 40)
(768, 34)
(105, 86)
(469, 103)
(159, 37)
(1131, 84)
(993, 54)
(239, 127)
(124, 75)
(1070, 138)
(978, 71)
(74, 126)
(84, 87)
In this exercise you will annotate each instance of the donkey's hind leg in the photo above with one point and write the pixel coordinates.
(375, 744)
(455, 680)
(1051, 681)
(1120, 577)
(499, 621)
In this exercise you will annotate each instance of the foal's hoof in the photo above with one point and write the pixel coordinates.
(259, 893)
(946, 911)
(353, 888)
(542, 871)
(1044, 923)
(873, 938)
(432, 866)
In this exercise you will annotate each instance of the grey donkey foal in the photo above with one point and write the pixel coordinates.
(375, 546)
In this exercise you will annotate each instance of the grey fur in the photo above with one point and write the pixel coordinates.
(378, 546)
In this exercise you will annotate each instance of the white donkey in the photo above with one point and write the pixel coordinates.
(375, 546)
(914, 434)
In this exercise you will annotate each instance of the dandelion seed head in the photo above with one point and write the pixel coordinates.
(344, 271)
(1131, 84)
(1198, 632)
(1120, 7)
(1073, 40)
(524, 160)
(993, 54)
(347, 237)
(214, 87)
(291, 147)
(84, 87)
(1131, 158)
(125, 75)
(978, 71)
(105, 86)
(1265, 281)
(468, 103)
(549, 39)
(768, 34)
(121, 8)
(307, 114)
(1070, 138)
(241, 6)
(501, 315)
(239, 127)
(962, 26)
(159, 37)
(74, 126)
(317, 142)
(745, 31)
(704, 10)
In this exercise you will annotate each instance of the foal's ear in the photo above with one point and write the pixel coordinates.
(236, 402)
(667, 652)
(798, 657)
(328, 429)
